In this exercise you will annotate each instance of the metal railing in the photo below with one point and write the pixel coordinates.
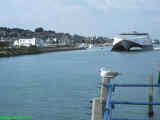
(109, 103)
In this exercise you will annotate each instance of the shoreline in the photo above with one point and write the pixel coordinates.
(11, 52)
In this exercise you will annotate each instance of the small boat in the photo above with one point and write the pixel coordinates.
(91, 46)
(155, 41)
(127, 41)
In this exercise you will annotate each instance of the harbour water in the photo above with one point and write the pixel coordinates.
(58, 86)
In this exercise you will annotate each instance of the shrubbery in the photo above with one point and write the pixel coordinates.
(4, 44)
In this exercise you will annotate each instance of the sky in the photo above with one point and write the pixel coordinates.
(84, 17)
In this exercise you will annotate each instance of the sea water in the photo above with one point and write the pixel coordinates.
(59, 85)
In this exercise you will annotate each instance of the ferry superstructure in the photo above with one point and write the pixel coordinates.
(127, 41)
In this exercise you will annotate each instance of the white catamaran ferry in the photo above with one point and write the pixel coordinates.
(129, 41)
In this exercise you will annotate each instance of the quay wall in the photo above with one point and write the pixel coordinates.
(29, 51)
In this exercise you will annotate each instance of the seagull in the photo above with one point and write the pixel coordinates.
(108, 73)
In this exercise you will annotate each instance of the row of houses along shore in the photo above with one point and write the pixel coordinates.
(16, 37)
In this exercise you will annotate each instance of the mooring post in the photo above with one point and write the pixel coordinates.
(106, 75)
(150, 97)
(97, 110)
(104, 91)
(98, 105)
(158, 77)
(106, 78)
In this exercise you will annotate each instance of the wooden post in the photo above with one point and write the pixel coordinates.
(104, 91)
(97, 108)
(98, 105)
(158, 77)
(150, 98)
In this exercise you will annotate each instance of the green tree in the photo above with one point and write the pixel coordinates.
(39, 29)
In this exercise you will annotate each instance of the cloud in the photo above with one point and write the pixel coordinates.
(60, 15)
(80, 16)
(107, 5)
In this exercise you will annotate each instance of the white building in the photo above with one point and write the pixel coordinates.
(29, 42)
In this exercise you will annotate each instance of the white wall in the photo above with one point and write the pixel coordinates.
(29, 42)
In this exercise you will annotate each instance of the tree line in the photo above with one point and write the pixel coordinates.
(16, 33)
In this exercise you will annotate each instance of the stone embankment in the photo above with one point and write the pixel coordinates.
(29, 51)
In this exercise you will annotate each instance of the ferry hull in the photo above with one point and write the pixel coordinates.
(126, 45)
